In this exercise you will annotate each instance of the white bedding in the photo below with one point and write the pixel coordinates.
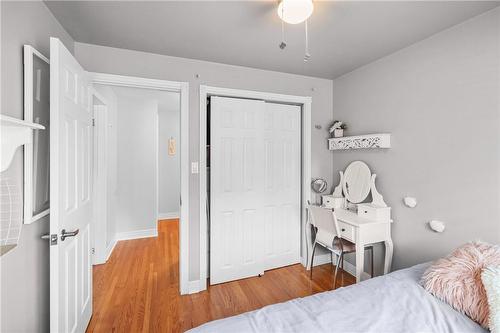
(391, 303)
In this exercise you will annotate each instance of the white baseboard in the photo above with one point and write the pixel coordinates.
(166, 216)
(136, 234)
(196, 286)
(110, 249)
(348, 267)
(102, 258)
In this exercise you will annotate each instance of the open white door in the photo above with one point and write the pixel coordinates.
(71, 192)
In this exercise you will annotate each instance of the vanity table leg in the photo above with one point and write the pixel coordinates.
(308, 244)
(360, 260)
(388, 255)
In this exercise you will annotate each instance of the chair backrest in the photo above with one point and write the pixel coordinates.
(324, 219)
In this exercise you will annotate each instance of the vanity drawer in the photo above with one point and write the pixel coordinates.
(347, 231)
(373, 212)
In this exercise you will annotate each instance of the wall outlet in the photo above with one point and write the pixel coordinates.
(194, 168)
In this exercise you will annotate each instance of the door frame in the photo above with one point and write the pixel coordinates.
(305, 102)
(99, 234)
(183, 89)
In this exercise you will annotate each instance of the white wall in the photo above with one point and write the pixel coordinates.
(24, 270)
(440, 100)
(132, 157)
(127, 62)
(136, 195)
(169, 165)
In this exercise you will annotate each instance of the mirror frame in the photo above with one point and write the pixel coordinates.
(368, 181)
(29, 187)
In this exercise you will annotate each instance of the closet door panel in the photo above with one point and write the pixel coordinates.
(282, 137)
(236, 221)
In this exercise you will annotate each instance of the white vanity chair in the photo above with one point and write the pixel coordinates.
(361, 223)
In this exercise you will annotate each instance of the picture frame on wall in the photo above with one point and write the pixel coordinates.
(36, 152)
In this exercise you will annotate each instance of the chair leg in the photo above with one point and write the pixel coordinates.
(312, 261)
(339, 260)
(336, 270)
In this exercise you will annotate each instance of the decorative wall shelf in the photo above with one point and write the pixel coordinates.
(381, 140)
(14, 133)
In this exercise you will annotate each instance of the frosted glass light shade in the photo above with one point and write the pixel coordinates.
(295, 11)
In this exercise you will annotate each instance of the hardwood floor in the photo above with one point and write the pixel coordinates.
(137, 290)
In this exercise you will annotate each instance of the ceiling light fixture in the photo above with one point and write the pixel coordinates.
(295, 11)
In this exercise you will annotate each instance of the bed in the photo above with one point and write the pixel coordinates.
(391, 303)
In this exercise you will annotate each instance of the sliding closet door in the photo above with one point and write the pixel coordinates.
(236, 188)
(255, 178)
(282, 185)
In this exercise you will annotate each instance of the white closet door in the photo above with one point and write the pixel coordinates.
(282, 185)
(255, 180)
(236, 188)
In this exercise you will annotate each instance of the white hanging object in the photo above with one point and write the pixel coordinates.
(437, 226)
(410, 202)
(11, 208)
(295, 11)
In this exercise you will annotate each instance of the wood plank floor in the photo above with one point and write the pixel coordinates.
(137, 290)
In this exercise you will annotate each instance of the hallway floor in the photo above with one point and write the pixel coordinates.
(137, 290)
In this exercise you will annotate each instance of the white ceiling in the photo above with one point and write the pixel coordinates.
(343, 35)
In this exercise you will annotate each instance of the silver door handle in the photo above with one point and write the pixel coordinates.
(65, 234)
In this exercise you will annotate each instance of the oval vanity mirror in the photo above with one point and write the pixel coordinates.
(357, 179)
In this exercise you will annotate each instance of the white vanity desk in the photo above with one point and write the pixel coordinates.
(367, 227)
(362, 232)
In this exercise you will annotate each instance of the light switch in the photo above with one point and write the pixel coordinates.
(194, 167)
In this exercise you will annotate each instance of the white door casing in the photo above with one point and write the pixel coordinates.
(255, 188)
(71, 192)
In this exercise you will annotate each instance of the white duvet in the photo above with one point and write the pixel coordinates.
(391, 303)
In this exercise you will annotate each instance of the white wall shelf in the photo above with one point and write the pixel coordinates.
(381, 140)
(14, 133)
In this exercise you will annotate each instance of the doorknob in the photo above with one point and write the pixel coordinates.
(65, 234)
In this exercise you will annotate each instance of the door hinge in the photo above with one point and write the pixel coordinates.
(52, 238)
(92, 250)
(93, 121)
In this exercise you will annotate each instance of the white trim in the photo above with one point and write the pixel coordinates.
(104, 257)
(183, 89)
(136, 82)
(348, 267)
(305, 102)
(195, 286)
(110, 249)
(28, 53)
(100, 185)
(167, 216)
(146, 233)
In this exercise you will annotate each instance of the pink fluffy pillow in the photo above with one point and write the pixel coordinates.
(456, 279)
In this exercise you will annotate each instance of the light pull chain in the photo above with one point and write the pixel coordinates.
(307, 55)
(283, 42)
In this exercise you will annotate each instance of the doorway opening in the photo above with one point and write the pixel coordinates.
(144, 141)
(207, 168)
